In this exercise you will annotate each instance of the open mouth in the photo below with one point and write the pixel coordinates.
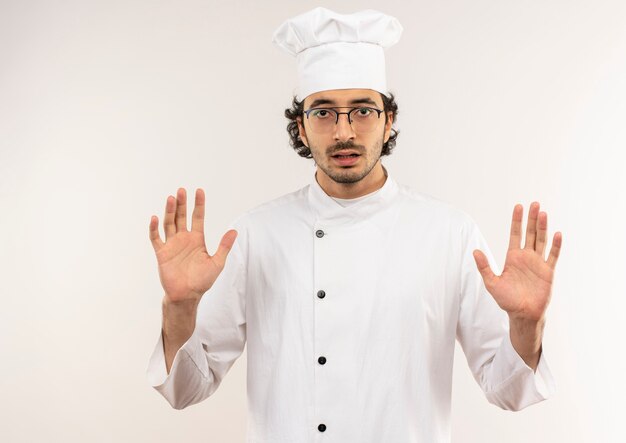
(346, 159)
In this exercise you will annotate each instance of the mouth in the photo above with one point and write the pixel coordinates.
(346, 158)
(345, 154)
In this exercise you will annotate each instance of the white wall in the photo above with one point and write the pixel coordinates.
(107, 107)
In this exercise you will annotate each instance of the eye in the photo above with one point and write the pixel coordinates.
(321, 113)
(363, 112)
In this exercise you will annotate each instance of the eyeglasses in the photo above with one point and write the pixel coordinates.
(324, 120)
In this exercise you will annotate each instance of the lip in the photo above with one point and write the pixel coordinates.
(347, 161)
(346, 152)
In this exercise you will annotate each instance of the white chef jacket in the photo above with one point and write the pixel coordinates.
(350, 315)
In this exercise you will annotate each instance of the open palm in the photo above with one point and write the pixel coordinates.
(186, 269)
(524, 288)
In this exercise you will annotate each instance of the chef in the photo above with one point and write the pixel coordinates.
(351, 291)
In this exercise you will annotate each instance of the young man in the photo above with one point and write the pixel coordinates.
(350, 292)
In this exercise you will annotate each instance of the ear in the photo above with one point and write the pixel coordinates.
(302, 131)
(388, 126)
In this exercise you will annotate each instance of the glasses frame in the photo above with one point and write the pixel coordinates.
(352, 108)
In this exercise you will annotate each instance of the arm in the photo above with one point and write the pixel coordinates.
(179, 321)
(486, 334)
(203, 328)
(524, 289)
(526, 337)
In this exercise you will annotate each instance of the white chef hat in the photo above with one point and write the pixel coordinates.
(338, 51)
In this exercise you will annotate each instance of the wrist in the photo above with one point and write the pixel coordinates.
(179, 319)
(527, 323)
(182, 305)
(526, 338)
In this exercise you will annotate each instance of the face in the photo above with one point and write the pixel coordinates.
(325, 147)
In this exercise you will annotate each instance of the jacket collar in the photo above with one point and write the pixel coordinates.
(330, 212)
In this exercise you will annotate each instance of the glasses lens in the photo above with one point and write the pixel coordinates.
(364, 119)
(322, 120)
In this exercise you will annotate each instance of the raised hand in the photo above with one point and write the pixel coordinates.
(524, 288)
(186, 269)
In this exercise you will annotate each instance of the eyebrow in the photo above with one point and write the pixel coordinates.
(358, 101)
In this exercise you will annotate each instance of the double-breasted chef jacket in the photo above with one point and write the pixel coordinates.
(350, 315)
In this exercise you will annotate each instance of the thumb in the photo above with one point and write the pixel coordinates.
(483, 267)
(226, 244)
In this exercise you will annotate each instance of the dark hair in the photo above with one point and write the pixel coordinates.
(297, 109)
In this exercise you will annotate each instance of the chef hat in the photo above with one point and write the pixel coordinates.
(338, 51)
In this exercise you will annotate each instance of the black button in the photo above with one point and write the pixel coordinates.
(321, 360)
(321, 427)
(319, 233)
(321, 294)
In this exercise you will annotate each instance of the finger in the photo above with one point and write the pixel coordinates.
(531, 226)
(155, 238)
(542, 233)
(181, 210)
(516, 227)
(197, 217)
(224, 248)
(555, 250)
(483, 267)
(168, 221)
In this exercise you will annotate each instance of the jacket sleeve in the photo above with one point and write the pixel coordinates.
(483, 333)
(218, 340)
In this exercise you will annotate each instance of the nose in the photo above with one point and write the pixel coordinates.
(343, 128)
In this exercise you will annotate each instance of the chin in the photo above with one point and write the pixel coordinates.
(347, 176)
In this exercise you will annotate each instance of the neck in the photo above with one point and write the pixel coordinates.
(370, 183)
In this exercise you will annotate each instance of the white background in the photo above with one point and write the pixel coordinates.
(107, 107)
